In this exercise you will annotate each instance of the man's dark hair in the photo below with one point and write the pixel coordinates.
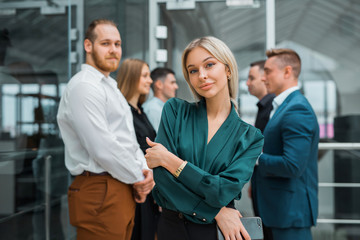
(160, 73)
(260, 64)
(90, 33)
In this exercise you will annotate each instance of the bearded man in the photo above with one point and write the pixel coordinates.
(101, 149)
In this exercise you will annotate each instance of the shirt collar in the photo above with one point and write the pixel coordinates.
(93, 70)
(278, 100)
(158, 100)
(99, 75)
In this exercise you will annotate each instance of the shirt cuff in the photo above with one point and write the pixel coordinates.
(257, 160)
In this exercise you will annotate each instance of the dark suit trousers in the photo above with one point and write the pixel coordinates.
(173, 225)
(101, 207)
(291, 233)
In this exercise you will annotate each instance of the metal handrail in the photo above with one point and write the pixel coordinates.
(47, 196)
(351, 185)
(338, 221)
(339, 146)
(20, 153)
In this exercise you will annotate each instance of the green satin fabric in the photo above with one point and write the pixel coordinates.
(216, 172)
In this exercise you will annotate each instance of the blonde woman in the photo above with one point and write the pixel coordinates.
(204, 153)
(134, 82)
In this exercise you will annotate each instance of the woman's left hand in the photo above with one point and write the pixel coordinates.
(228, 220)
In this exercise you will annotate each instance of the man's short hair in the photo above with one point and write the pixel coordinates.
(260, 64)
(286, 57)
(90, 33)
(160, 73)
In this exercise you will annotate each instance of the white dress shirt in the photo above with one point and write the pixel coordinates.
(153, 109)
(97, 128)
(279, 99)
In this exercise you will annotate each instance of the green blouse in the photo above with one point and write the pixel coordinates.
(216, 172)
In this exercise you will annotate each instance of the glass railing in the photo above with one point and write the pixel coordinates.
(33, 203)
(339, 191)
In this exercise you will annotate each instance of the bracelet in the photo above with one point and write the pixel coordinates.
(179, 170)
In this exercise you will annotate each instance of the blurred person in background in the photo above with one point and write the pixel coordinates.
(164, 88)
(285, 181)
(134, 82)
(257, 88)
(101, 149)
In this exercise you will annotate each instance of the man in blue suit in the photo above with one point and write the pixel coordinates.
(285, 181)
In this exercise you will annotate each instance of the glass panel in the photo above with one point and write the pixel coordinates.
(339, 202)
(330, 232)
(132, 19)
(34, 54)
(242, 29)
(33, 60)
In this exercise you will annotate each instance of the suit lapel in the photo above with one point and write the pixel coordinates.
(280, 109)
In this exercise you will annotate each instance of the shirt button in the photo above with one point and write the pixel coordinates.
(194, 214)
(204, 220)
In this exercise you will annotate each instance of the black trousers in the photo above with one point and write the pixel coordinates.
(146, 219)
(173, 226)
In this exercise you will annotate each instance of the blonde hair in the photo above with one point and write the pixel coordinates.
(222, 53)
(286, 57)
(128, 78)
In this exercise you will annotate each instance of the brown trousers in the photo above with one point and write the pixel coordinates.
(101, 207)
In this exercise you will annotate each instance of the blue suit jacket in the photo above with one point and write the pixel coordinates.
(285, 183)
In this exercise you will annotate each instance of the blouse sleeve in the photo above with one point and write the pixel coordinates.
(218, 190)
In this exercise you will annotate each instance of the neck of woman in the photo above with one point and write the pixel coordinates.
(134, 102)
(218, 106)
